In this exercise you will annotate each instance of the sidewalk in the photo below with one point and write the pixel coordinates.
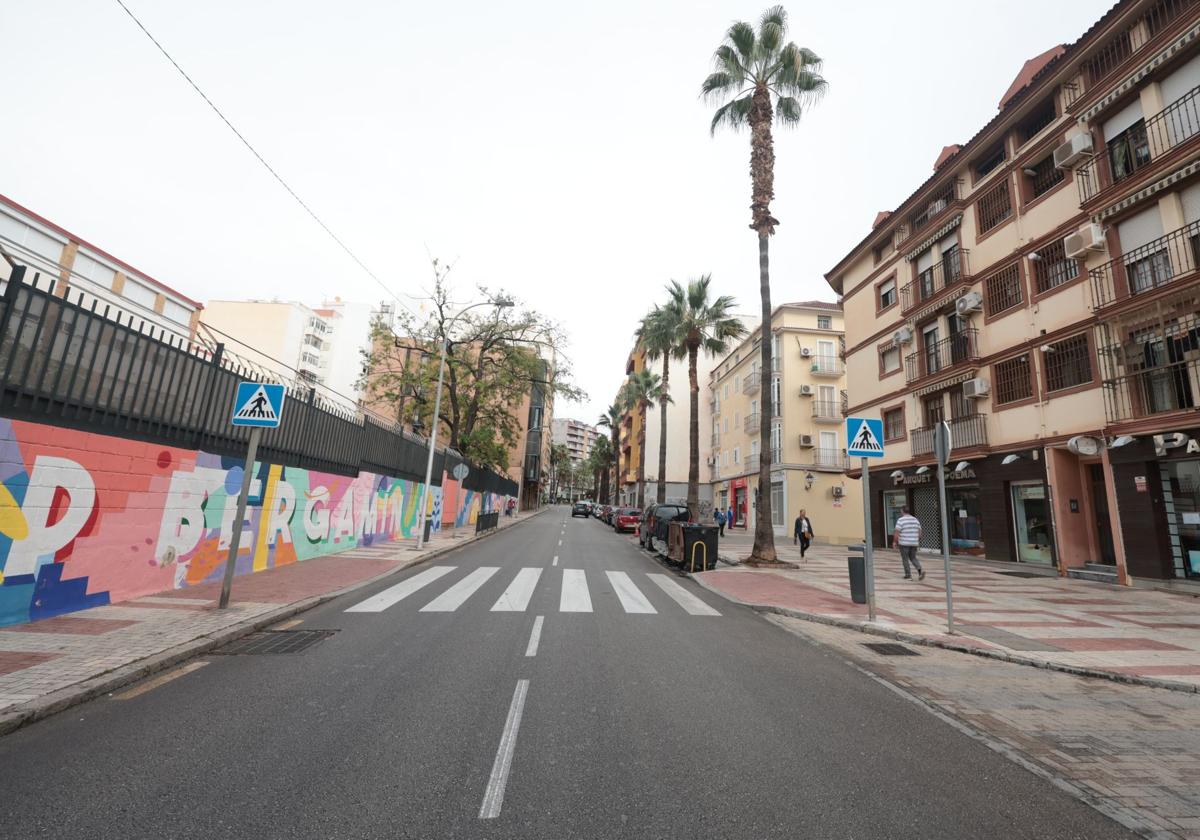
(1129, 634)
(49, 665)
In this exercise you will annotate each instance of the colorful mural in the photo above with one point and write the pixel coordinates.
(89, 519)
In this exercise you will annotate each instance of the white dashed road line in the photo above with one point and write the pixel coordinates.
(516, 597)
(535, 637)
(456, 595)
(393, 594)
(493, 797)
(575, 597)
(630, 596)
(691, 604)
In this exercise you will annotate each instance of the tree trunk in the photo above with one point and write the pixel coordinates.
(660, 494)
(641, 472)
(604, 486)
(693, 493)
(616, 484)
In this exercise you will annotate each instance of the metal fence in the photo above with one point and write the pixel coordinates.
(90, 366)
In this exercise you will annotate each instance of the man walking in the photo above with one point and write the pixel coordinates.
(907, 537)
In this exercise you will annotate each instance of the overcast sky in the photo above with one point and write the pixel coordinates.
(556, 150)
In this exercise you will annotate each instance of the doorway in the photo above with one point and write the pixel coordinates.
(1031, 523)
(1103, 523)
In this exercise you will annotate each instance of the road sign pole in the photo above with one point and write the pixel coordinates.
(247, 475)
(868, 544)
(942, 444)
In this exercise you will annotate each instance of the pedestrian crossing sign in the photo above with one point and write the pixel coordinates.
(864, 437)
(258, 404)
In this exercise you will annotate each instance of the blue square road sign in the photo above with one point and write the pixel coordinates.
(864, 437)
(258, 404)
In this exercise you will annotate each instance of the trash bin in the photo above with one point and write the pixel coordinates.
(858, 578)
(428, 528)
(699, 547)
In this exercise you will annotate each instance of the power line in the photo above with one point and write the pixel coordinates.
(263, 161)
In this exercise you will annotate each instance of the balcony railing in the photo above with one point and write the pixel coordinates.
(956, 349)
(716, 438)
(1138, 147)
(823, 365)
(829, 459)
(827, 411)
(936, 205)
(965, 433)
(752, 382)
(751, 423)
(1154, 265)
(1153, 391)
(952, 269)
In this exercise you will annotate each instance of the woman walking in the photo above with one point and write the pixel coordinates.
(803, 532)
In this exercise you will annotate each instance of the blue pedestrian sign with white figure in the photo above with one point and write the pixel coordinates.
(864, 437)
(258, 404)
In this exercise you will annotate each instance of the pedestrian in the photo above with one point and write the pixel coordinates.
(907, 537)
(720, 519)
(802, 532)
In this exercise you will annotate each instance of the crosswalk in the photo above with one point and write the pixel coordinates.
(574, 593)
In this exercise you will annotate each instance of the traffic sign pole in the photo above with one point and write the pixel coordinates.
(868, 544)
(235, 540)
(942, 444)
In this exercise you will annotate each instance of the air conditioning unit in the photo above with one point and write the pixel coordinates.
(806, 390)
(1090, 237)
(968, 303)
(805, 352)
(976, 389)
(904, 335)
(1069, 153)
(806, 441)
(838, 491)
(710, 460)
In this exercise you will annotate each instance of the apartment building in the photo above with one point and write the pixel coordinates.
(529, 458)
(808, 402)
(576, 435)
(1040, 293)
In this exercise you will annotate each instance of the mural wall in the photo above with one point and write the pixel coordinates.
(88, 519)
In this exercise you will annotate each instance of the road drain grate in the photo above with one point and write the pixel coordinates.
(275, 641)
(1021, 574)
(890, 649)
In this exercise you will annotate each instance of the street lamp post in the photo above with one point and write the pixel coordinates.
(500, 303)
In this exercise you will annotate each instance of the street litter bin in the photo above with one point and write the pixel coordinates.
(699, 547)
(858, 578)
(428, 528)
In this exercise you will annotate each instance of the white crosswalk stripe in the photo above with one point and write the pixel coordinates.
(630, 596)
(575, 596)
(393, 594)
(516, 597)
(456, 595)
(690, 603)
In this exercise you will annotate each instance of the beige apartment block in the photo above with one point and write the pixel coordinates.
(807, 441)
(1039, 293)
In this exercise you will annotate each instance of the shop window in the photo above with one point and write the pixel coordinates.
(1013, 380)
(1068, 363)
(1002, 291)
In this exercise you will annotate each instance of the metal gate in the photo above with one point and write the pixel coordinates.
(926, 509)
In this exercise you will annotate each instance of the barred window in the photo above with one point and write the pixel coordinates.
(1054, 266)
(1013, 380)
(1003, 289)
(893, 424)
(1037, 119)
(994, 207)
(1046, 176)
(1068, 363)
(989, 161)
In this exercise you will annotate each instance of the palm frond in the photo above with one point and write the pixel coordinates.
(726, 59)
(718, 85)
(787, 110)
(772, 29)
(734, 115)
(741, 37)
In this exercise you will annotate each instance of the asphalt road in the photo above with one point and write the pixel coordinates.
(403, 724)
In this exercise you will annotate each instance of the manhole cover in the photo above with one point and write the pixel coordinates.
(1021, 574)
(275, 641)
(890, 649)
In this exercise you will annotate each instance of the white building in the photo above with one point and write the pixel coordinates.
(576, 435)
(347, 339)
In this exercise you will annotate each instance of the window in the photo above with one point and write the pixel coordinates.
(737, 383)
(887, 293)
(1129, 151)
(1068, 363)
(1013, 380)
(776, 396)
(1055, 267)
(1046, 176)
(960, 406)
(726, 425)
(1002, 291)
(893, 424)
(994, 207)
(824, 322)
(933, 408)
(726, 394)
(889, 359)
(1037, 119)
(776, 442)
(737, 455)
(754, 449)
(989, 161)
(777, 505)
(882, 250)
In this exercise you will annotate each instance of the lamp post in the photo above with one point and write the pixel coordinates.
(500, 303)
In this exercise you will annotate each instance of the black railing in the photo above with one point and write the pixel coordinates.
(1157, 263)
(487, 522)
(1151, 391)
(952, 269)
(87, 366)
(961, 347)
(966, 432)
(826, 410)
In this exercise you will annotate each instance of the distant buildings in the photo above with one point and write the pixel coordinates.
(576, 435)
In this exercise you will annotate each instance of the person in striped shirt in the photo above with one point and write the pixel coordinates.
(907, 537)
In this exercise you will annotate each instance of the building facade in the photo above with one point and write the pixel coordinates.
(529, 459)
(576, 435)
(1039, 292)
(808, 450)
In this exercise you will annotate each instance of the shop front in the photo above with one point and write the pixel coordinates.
(739, 506)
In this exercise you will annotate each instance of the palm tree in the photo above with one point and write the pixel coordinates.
(658, 335)
(643, 388)
(702, 324)
(758, 77)
(611, 420)
(601, 459)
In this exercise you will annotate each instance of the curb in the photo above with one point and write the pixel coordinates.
(93, 687)
(987, 653)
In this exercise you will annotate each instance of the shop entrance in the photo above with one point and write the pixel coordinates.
(1184, 482)
(928, 511)
(1031, 523)
(1108, 553)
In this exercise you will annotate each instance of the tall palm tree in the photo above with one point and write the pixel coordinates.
(643, 388)
(657, 334)
(611, 420)
(758, 77)
(708, 325)
(602, 454)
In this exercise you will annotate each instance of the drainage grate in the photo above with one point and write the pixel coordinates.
(890, 649)
(1022, 574)
(275, 641)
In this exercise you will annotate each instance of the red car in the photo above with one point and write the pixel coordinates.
(626, 519)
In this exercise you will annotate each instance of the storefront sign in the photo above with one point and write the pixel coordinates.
(1175, 440)
(1139, 483)
(958, 475)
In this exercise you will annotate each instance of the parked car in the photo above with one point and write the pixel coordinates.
(626, 519)
(654, 522)
(606, 513)
(579, 509)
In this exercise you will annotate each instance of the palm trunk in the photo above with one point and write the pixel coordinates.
(604, 486)
(616, 484)
(641, 471)
(660, 494)
(693, 493)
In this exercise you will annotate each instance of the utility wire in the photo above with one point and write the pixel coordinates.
(263, 161)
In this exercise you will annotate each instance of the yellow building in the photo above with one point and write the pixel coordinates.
(808, 450)
(633, 436)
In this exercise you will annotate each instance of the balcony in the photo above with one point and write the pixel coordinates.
(826, 411)
(1151, 391)
(960, 348)
(752, 382)
(751, 423)
(935, 207)
(1162, 262)
(969, 432)
(821, 365)
(716, 438)
(1135, 149)
(952, 269)
(829, 459)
